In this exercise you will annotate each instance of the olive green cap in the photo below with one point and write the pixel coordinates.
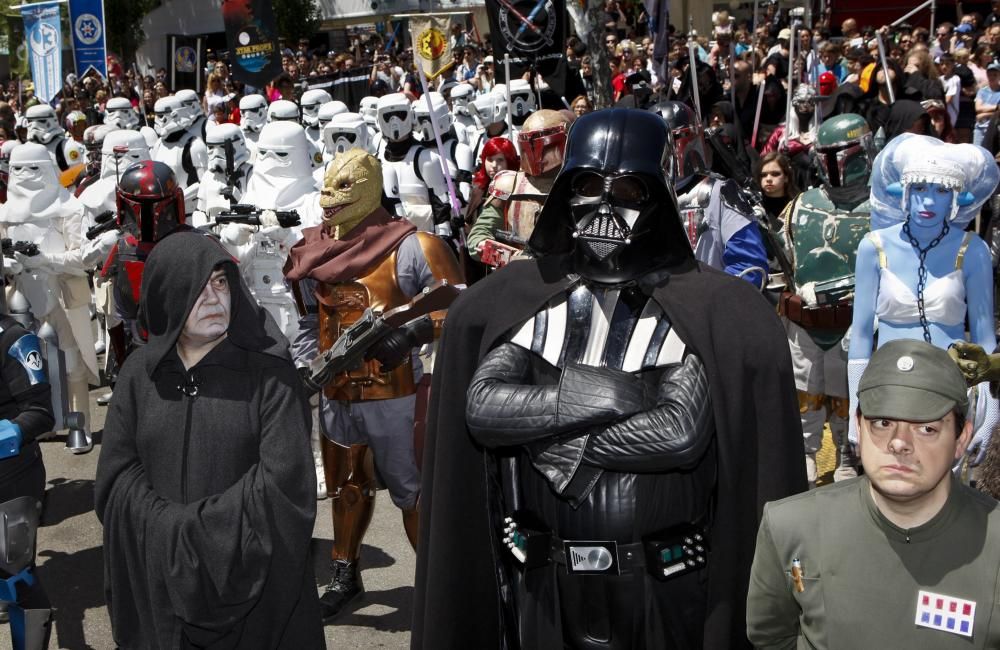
(913, 381)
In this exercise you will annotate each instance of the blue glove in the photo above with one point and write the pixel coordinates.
(10, 439)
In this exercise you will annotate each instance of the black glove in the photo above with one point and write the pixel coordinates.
(395, 347)
(593, 395)
(312, 384)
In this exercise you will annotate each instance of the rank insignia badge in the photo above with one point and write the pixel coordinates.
(945, 613)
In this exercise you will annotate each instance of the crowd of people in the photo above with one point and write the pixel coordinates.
(591, 355)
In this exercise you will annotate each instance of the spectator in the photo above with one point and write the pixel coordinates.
(214, 93)
(951, 84)
(774, 178)
(582, 105)
(829, 60)
(987, 101)
(943, 43)
(940, 125)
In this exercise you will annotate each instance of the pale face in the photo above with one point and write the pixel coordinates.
(494, 164)
(772, 180)
(908, 461)
(209, 317)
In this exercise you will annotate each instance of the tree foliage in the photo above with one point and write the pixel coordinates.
(296, 18)
(121, 25)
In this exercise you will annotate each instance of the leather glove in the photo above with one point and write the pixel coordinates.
(975, 364)
(594, 395)
(395, 347)
(312, 384)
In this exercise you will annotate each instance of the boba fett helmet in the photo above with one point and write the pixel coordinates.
(844, 150)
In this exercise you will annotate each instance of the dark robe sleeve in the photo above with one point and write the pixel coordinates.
(205, 564)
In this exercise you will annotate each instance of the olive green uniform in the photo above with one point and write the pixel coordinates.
(861, 574)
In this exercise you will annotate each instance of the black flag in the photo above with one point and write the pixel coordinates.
(534, 33)
(252, 37)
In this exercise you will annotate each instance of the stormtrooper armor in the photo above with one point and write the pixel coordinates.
(5, 150)
(253, 117)
(490, 114)
(118, 112)
(328, 111)
(93, 139)
(228, 167)
(120, 149)
(411, 173)
(522, 101)
(369, 111)
(282, 180)
(310, 104)
(282, 110)
(457, 155)
(54, 282)
(44, 129)
(179, 148)
(194, 116)
(465, 126)
(343, 132)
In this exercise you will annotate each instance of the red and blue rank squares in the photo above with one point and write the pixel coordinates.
(945, 613)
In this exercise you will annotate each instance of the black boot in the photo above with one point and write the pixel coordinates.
(345, 585)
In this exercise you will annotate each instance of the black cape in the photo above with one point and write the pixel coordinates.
(205, 483)
(736, 333)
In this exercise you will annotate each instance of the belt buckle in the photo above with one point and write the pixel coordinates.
(592, 557)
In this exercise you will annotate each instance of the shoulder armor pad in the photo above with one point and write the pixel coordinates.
(503, 184)
(27, 350)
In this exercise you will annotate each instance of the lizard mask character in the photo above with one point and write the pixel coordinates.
(352, 189)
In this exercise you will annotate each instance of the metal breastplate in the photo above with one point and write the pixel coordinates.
(264, 272)
(525, 204)
(693, 209)
(824, 242)
(340, 305)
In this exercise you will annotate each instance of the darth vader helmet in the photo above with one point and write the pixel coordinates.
(611, 206)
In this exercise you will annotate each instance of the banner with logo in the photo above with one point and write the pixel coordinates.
(44, 39)
(186, 55)
(431, 46)
(534, 33)
(86, 18)
(252, 37)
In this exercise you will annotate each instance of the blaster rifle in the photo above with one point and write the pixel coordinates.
(250, 215)
(348, 351)
(104, 222)
(23, 247)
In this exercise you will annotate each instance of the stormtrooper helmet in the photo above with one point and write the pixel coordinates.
(33, 185)
(253, 113)
(522, 100)
(169, 118)
(5, 149)
(227, 147)
(395, 117)
(121, 149)
(328, 110)
(310, 103)
(488, 109)
(461, 95)
(438, 113)
(345, 131)
(118, 112)
(93, 140)
(43, 125)
(283, 151)
(369, 110)
(282, 110)
(190, 106)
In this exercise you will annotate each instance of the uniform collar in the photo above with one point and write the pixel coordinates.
(937, 525)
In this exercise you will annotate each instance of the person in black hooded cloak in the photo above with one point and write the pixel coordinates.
(205, 484)
(599, 416)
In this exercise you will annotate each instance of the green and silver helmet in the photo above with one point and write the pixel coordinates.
(844, 150)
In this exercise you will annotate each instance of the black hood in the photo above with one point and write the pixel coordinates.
(902, 115)
(174, 276)
(616, 141)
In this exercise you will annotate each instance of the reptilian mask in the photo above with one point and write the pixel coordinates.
(352, 189)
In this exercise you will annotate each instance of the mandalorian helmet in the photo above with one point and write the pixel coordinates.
(169, 118)
(282, 110)
(542, 142)
(328, 111)
(310, 103)
(43, 125)
(611, 206)
(345, 131)
(150, 202)
(844, 151)
(253, 113)
(227, 147)
(395, 117)
(120, 150)
(118, 112)
(93, 139)
(688, 156)
(488, 109)
(439, 113)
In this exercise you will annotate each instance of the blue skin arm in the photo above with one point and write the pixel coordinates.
(866, 281)
(978, 272)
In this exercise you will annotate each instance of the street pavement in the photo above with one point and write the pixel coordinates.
(71, 563)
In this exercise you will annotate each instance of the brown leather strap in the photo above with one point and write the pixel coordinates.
(827, 317)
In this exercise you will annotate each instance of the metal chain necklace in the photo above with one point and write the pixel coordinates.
(922, 271)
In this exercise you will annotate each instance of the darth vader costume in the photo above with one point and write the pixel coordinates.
(205, 484)
(621, 419)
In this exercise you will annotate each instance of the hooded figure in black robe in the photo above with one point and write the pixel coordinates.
(466, 577)
(205, 484)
